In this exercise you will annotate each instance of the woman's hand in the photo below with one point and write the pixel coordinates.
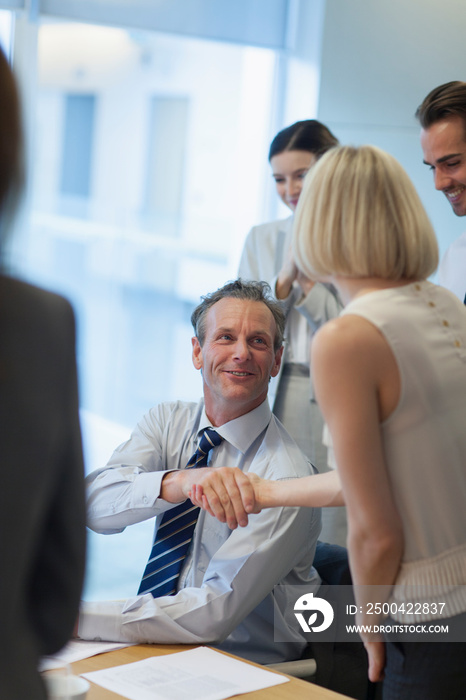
(376, 654)
(305, 283)
(286, 276)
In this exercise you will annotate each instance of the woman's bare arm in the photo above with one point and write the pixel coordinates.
(352, 365)
(318, 491)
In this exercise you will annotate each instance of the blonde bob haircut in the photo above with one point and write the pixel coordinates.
(359, 215)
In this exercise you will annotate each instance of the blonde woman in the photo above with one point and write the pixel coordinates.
(390, 377)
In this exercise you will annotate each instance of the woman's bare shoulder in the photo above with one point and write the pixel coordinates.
(347, 335)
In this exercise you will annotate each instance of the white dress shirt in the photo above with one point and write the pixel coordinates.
(452, 270)
(225, 589)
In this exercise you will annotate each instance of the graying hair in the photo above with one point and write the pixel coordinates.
(247, 291)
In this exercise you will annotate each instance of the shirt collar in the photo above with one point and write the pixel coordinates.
(241, 432)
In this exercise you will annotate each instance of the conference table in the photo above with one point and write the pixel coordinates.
(295, 689)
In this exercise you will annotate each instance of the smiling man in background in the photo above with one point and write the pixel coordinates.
(442, 116)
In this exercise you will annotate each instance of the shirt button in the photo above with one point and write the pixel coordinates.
(417, 287)
(445, 323)
(431, 303)
(457, 344)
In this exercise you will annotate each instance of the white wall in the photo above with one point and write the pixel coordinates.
(379, 60)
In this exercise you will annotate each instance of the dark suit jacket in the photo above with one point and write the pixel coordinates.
(42, 512)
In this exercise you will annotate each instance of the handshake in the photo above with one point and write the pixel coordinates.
(229, 494)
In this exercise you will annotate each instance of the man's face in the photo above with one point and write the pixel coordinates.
(444, 148)
(237, 357)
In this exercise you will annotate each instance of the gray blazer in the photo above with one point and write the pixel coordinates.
(42, 512)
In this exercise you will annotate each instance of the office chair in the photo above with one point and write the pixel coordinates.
(338, 666)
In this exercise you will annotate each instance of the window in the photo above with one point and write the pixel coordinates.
(167, 143)
(149, 168)
(78, 132)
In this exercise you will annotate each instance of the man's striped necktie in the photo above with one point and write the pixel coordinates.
(175, 533)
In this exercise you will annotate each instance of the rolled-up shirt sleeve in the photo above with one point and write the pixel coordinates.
(121, 497)
(127, 489)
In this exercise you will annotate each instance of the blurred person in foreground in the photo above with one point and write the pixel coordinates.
(42, 513)
(390, 377)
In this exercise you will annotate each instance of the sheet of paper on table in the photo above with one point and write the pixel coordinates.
(76, 650)
(198, 674)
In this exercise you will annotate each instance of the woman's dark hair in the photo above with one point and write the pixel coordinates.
(308, 135)
(11, 146)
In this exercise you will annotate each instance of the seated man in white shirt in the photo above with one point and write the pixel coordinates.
(442, 116)
(223, 594)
